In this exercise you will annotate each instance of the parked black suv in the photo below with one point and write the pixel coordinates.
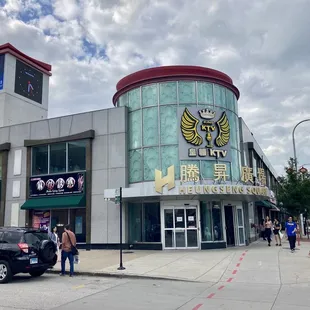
(25, 250)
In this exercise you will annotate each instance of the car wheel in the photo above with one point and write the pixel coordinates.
(47, 251)
(5, 272)
(37, 273)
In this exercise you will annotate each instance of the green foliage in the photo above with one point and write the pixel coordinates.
(294, 190)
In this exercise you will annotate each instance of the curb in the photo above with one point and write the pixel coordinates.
(122, 276)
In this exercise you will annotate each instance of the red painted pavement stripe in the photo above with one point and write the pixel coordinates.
(238, 265)
(211, 295)
(197, 307)
(221, 287)
(241, 258)
(230, 279)
(243, 254)
(234, 272)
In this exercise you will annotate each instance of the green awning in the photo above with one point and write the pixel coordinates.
(264, 203)
(58, 202)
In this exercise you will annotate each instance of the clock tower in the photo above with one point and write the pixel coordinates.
(24, 86)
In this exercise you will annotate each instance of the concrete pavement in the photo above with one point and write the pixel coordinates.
(256, 277)
(202, 266)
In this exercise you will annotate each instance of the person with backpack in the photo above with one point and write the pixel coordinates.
(68, 250)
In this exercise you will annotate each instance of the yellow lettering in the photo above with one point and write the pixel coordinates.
(161, 181)
(222, 189)
(182, 190)
(214, 189)
(198, 189)
(206, 189)
(228, 189)
(190, 190)
(235, 189)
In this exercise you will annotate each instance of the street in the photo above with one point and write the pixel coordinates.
(257, 277)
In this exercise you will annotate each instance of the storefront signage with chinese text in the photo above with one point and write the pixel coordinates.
(56, 185)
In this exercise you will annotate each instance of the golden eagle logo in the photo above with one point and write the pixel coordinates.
(189, 128)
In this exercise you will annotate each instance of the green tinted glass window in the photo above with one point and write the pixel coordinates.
(187, 93)
(235, 158)
(227, 173)
(230, 102)
(134, 99)
(233, 128)
(134, 128)
(150, 126)
(168, 93)
(151, 162)
(169, 157)
(169, 129)
(149, 95)
(207, 169)
(135, 166)
(123, 100)
(205, 93)
(219, 96)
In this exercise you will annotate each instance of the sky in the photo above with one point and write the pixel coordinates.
(263, 45)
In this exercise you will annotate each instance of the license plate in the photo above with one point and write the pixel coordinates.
(33, 261)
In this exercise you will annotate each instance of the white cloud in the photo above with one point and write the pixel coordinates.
(265, 55)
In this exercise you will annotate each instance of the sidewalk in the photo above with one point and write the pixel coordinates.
(263, 264)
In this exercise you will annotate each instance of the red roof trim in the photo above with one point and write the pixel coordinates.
(8, 48)
(173, 73)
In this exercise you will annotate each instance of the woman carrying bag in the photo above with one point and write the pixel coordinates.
(277, 232)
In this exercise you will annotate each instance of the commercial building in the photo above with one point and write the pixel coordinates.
(173, 142)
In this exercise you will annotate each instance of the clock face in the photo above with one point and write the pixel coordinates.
(28, 82)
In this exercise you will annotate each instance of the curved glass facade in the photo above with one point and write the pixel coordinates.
(154, 126)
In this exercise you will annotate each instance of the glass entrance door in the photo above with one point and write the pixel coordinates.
(240, 225)
(180, 227)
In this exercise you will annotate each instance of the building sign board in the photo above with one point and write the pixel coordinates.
(190, 174)
(204, 134)
(57, 185)
(1, 71)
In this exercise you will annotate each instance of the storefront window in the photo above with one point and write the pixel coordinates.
(206, 221)
(59, 218)
(58, 157)
(78, 224)
(211, 221)
(144, 222)
(76, 156)
(217, 221)
(40, 160)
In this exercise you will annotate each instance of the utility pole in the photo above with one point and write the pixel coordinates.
(119, 200)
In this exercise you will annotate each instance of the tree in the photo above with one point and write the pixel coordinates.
(294, 190)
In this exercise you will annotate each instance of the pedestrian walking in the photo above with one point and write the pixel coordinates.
(268, 227)
(276, 232)
(290, 229)
(55, 239)
(68, 250)
(262, 229)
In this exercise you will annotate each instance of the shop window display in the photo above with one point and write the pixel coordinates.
(144, 222)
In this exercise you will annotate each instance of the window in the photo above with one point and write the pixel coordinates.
(211, 221)
(78, 224)
(58, 158)
(144, 222)
(40, 160)
(12, 237)
(76, 156)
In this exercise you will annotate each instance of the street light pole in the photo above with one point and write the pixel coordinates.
(293, 136)
(121, 267)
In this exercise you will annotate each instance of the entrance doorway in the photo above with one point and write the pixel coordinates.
(180, 227)
(230, 229)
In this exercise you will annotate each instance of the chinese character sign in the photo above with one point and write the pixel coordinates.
(220, 172)
(261, 176)
(190, 173)
(247, 175)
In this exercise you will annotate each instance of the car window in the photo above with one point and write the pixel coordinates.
(35, 237)
(1, 234)
(12, 237)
